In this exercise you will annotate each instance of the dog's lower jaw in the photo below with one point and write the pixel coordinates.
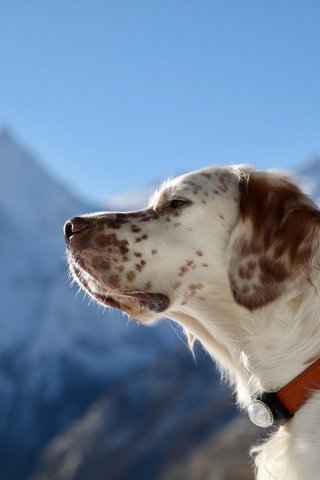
(115, 297)
(153, 302)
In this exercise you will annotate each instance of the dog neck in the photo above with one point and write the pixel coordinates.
(260, 350)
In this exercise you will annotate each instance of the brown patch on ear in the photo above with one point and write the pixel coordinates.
(274, 241)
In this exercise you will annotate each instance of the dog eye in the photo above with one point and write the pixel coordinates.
(177, 203)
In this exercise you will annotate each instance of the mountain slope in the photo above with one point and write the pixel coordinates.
(149, 422)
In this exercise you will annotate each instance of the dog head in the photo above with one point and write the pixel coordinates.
(230, 228)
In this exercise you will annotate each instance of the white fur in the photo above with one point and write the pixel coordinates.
(262, 348)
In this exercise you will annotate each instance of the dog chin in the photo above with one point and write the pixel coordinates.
(134, 302)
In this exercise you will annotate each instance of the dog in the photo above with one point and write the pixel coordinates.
(232, 255)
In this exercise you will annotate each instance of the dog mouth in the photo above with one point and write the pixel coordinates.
(154, 302)
(113, 297)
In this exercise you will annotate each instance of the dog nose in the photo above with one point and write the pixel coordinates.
(74, 226)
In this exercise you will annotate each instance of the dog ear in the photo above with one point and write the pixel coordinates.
(274, 240)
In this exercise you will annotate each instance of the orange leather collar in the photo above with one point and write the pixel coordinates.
(297, 392)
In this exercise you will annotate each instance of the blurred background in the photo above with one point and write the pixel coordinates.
(99, 102)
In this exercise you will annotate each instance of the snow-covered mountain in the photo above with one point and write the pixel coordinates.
(57, 354)
(150, 423)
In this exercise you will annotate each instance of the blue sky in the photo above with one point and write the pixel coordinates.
(116, 94)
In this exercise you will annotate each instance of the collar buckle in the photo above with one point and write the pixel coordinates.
(266, 410)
